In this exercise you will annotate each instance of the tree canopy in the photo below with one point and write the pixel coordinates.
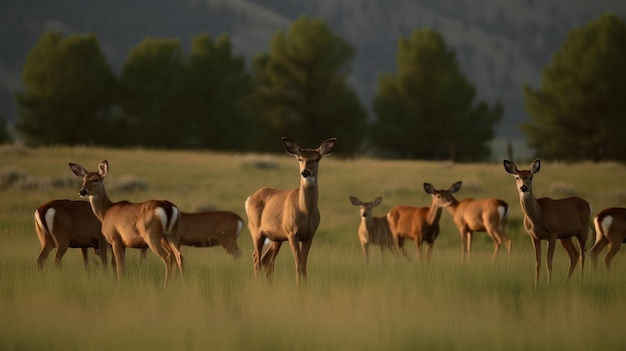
(427, 109)
(70, 89)
(580, 111)
(302, 90)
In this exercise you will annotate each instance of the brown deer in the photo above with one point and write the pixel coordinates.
(610, 225)
(373, 230)
(67, 223)
(551, 219)
(152, 224)
(210, 228)
(420, 224)
(288, 215)
(479, 215)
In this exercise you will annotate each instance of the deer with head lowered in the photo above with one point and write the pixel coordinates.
(551, 219)
(288, 215)
(152, 224)
(420, 224)
(372, 230)
(610, 225)
(479, 215)
(67, 223)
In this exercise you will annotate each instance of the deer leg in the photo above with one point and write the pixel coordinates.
(551, 247)
(614, 247)
(573, 255)
(429, 250)
(269, 258)
(161, 250)
(463, 234)
(468, 236)
(304, 254)
(174, 249)
(46, 246)
(294, 243)
(102, 252)
(62, 246)
(365, 248)
(120, 257)
(257, 241)
(84, 253)
(400, 246)
(497, 241)
(418, 246)
(537, 247)
(596, 249)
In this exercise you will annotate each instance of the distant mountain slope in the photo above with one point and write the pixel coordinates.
(501, 45)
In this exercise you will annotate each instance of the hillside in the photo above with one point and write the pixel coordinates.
(500, 45)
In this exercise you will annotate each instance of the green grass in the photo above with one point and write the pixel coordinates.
(444, 304)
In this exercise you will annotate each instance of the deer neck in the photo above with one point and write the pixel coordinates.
(530, 206)
(307, 195)
(453, 206)
(100, 204)
(434, 213)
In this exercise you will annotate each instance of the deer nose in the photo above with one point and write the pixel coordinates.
(364, 214)
(306, 173)
(82, 193)
(523, 188)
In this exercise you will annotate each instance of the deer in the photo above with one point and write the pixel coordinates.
(210, 228)
(372, 230)
(479, 215)
(68, 223)
(153, 223)
(420, 224)
(551, 219)
(610, 226)
(288, 215)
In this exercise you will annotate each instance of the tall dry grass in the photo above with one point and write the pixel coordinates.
(389, 304)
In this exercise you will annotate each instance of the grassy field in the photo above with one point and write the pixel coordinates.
(445, 304)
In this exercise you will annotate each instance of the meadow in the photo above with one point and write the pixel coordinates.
(390, 303)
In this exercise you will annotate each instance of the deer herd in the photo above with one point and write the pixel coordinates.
(276, 216)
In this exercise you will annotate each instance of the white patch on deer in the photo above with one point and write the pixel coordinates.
(160, 212)
(606, 224)
(503, 211)
(49, 217)
(239, 226)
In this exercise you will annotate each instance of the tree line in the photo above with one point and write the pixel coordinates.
(211, 98)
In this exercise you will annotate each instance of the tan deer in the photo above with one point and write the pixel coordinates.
(610, 225)
(551, 219)
(420, 224)
(373, 230)
(288, 215)
(210, 228)
(479, 215)
(152, 224)
(67, 223)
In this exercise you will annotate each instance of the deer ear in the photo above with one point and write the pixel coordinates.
(355, 201)
(429, 188)
(327, 147)
(79, 170)
(291, 146)
(535, 166)
(377, 201)
(455, 187)
(103, 168)
(510, 167)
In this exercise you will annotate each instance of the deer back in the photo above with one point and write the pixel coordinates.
(564, 216)
(478, 214)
